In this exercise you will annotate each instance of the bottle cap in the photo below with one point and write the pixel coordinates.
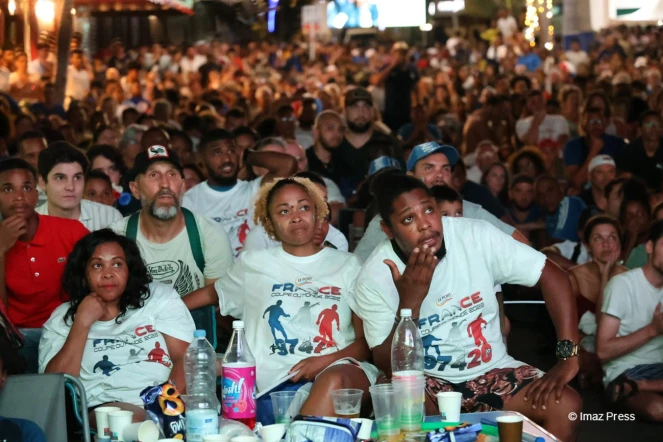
(200, 334)
(238, 324)
(406, 313)
(124, 199)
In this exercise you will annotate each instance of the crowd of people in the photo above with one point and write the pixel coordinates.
(178, 177)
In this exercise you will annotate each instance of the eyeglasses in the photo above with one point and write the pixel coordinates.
(595, 122)
(287, 119)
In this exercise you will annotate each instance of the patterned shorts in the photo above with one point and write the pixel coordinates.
(645, 372)
(488, 392)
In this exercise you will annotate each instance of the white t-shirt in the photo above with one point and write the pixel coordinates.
(497, 53)
(269, 289)
(507, 26)
(459, 319)
(567, 248)
(172, 263)
(94, 216)
(233, 209)
(15, 79)
(122, 359)
(552, 127)
(577, 58)
(78, 83)
(334, 194)
(630, 298)
(257, 239)
(374, 235)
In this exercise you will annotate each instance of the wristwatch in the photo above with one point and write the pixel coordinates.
(566, 349)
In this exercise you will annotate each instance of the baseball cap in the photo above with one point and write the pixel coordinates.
(600, 160)
(152, 155)
(382, 163)
(423, 150)
(357, 94)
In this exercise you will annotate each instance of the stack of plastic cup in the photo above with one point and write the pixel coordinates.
(410, 386)
(387, 409)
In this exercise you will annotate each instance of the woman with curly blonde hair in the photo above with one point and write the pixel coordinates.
(296, 301)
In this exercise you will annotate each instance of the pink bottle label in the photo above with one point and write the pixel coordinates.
(239, 392)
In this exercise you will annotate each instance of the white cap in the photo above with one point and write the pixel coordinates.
(238, 324)
(600, 160)
(406, 313)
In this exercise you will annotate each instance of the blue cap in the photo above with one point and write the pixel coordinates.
(423, 150)
(200, 334)
(382, 163)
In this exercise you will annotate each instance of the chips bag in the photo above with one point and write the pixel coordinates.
(165, 407)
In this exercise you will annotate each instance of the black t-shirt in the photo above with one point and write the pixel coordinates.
(398, 101)
(588, 197)
(477, 194)
(315, 165)
(636, 161)
(352, 163)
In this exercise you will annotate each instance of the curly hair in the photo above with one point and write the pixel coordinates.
(266, 194)
(74, 277)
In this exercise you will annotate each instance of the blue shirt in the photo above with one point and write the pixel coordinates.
(534, 215)
(576, 150)
(563, 225)
(14, 429)
(406, 131)
(531, 61)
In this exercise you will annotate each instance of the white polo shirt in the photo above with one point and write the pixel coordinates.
(94, 216)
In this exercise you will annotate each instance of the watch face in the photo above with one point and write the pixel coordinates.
(565, 348)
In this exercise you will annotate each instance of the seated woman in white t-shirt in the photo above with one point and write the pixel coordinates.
(257, 239)
(120, 332)
(445, 270)
(296, 301)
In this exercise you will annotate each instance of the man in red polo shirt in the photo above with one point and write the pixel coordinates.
(33, 252)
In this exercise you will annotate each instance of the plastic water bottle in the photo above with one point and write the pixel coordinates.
(238, 400)
(407, 371)
(202, 417)
(407, 348)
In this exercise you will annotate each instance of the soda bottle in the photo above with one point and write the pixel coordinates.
(238, 401)
(407, 371)
(202, 417)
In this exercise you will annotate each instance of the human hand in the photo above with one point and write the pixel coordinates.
(657, 320)
(414, 283)
(309, 368)
(91, 309)
(10, 230)
(553, 382)
(610, 265)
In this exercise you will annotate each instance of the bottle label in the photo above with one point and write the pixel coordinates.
(239, 392)
(201, 423)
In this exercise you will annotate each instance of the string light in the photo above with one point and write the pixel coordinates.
(551, 29)
(531, 21)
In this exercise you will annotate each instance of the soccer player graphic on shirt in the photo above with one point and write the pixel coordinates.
(455, 339)
(275, 313)
(107, 367)
(475, 330)
(243, 231)
(326, 320)
(134, 355)
(158, 354)
(302, 322)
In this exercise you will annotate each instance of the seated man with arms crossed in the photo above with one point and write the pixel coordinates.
(445, 271)
(628, 339)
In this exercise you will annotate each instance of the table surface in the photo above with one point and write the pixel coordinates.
(528, 426)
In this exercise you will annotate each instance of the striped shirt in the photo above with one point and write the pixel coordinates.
(94, 216)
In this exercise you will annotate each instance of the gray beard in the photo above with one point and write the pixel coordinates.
(162, 213)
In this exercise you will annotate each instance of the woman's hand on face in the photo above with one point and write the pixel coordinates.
(91, 310)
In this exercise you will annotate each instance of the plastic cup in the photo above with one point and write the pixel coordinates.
(216, 438)
(141, 432)
(245, 439)
(281, 401)
(449, 402)
(407, 375)
(101, 413)
(272, 433)
(412, 399)
(347, 402)
(510, 428)
(365, 428)
(387, 409)
(118, 421)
